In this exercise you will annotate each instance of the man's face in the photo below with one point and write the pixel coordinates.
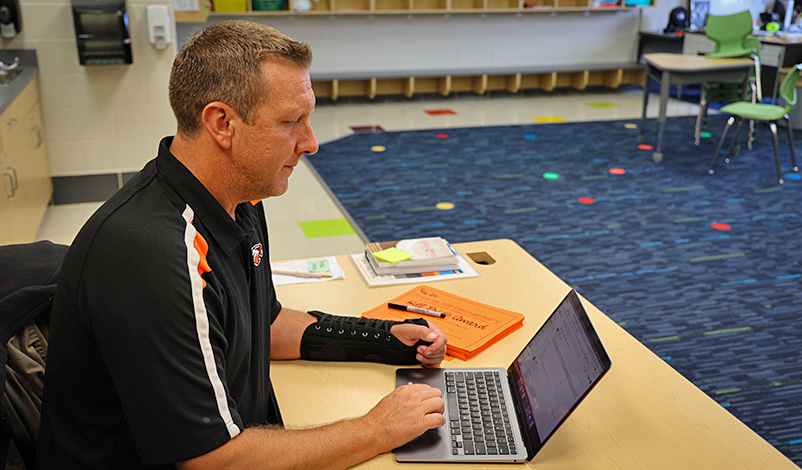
(266, 150)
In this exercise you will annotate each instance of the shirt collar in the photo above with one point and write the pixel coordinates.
(225, 230)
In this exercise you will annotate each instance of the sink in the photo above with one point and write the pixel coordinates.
(8, 76)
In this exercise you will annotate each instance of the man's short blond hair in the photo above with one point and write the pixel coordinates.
(223, 62)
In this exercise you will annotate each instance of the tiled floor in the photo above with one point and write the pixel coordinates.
(309, 200)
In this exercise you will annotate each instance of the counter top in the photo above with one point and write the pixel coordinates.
(28, 67)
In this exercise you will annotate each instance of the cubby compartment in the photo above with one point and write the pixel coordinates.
(539, 81)
(324, 89)
(393, 86)
(575, 80)
(572, 3)
(503, 4)
(633, 77)
(608, 78)
(538, 4)
(350, 5)
(354, 88)
(318, 5)
(422, 5)
(392, 5)
(467, 4)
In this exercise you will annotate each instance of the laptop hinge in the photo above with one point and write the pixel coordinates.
(516, 398)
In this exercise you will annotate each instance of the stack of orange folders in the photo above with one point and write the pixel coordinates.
(470, 326)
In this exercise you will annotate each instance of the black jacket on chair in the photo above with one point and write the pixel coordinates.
(28, 275)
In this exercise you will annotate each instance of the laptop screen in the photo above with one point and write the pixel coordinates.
(557, 369)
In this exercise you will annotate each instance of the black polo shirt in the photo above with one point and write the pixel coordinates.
(160, 336)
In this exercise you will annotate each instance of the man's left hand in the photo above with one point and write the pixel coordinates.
(409, 334)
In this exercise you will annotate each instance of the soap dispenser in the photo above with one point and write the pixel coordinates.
(10, 22)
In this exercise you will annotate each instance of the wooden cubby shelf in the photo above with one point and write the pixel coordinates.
(399, 7)
(480, 83)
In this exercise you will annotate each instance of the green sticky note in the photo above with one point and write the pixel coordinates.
(392, 255)
(319, 265)
(326, 228)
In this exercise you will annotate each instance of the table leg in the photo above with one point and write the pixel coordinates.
(665, 81)
(642, 129)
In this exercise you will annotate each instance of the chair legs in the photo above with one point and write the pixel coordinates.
(697, 131)
(791, 142)
(773, 127)
(730, 122)
(775, 141)
(734, 148)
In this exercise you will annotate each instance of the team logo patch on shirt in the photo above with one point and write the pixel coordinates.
(257, 252)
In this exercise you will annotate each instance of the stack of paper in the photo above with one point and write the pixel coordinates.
(412, 256)
(471, 327)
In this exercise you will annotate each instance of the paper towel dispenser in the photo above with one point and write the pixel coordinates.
(102, 33)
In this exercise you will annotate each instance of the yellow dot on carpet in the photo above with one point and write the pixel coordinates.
(444, 206)
(378, 148)
(630, 125)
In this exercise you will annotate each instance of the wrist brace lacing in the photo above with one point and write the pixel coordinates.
(336, 338)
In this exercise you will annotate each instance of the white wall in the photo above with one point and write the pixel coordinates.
(110, 119)
(466, 41)
(98, 119)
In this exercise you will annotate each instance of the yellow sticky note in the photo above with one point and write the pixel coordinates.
(392, 255)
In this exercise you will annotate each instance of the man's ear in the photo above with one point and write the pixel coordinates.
(218, 119)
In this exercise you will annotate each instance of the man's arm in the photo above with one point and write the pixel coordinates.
(289, 327)
(399, 417)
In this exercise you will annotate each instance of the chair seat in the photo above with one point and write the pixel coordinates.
(759, 111)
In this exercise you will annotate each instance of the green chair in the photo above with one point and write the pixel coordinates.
(767, 113)
(731, 35)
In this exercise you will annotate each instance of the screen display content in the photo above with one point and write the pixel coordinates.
(556, 370)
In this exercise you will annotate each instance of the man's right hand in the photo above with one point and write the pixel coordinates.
(406, 413)
(401, 416)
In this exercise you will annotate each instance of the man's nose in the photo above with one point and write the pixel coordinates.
(308, 143)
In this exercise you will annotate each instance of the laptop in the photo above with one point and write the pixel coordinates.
(498, 415)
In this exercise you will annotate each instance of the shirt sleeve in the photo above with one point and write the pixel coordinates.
(158, 327)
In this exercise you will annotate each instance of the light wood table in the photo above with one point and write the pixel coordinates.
(678, 69)
(643, 414)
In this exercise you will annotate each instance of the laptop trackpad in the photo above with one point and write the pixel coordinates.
(434, 444)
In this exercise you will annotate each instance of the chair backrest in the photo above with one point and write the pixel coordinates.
(788, 88)
(729, 32)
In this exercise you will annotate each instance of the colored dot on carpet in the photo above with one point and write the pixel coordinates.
(442, 136)
(630, 125)
(617, 171)
(444, 206)
(793, 176)
(721, 226)
(530, 137)
(551, 176)
(378, 148)
(586, 200)
(645, 147)
(705, 135)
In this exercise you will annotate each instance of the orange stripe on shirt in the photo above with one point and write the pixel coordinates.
(202, 248)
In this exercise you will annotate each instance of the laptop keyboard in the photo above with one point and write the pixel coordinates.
(477, 414)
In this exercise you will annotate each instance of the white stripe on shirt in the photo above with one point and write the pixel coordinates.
(202, 324)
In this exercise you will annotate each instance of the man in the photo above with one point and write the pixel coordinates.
(165, 318)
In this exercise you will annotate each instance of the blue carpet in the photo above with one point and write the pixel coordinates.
(720, 306)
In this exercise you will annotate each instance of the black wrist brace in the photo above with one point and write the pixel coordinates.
(335, 338)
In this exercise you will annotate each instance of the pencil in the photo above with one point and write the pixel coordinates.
(300, 274)
(416, 310)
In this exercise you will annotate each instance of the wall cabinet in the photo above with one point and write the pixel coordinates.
(26, 183)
